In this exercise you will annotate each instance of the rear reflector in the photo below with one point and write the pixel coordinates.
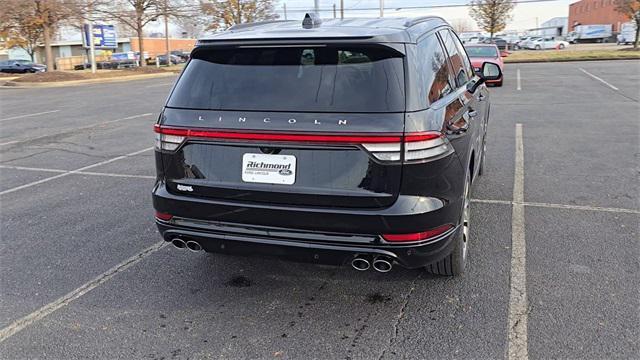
(163, 216)
(418, 236)
(420, 146)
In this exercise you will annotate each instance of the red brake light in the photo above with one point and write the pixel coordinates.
(163, 216)
(418, 146)
(424, 235)
(317, 138)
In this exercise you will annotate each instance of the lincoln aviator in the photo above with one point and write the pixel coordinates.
(350, 141)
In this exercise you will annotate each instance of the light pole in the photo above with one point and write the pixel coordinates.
(166, 34)
(92, 47)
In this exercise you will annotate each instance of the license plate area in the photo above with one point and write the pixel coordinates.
(269, 169)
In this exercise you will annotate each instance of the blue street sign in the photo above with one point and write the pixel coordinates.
(104, 36)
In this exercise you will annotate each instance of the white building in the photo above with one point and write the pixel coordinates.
(557, 26)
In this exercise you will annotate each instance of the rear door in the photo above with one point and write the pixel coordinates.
(469, 108)
(286, 124)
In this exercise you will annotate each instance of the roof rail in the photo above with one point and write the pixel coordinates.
(257, 23)
(418, 20)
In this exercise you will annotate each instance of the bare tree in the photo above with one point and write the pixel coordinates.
(227, 13)
(491, 15)
(20, 27)
(32, 20)
(135, 14)
(461, 25)
(631, 8)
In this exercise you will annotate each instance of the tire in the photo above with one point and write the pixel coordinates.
(561, 46)
(455, 263)
(538, 47)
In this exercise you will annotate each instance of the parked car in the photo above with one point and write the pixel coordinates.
(486, 53)
(474, 40)
(500, 43)
(522, 44)
(21, 67)
(163, 60)
(183, 55)
(547, 43)
(294, 143)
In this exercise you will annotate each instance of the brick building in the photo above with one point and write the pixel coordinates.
(156, 46)
(590, 12)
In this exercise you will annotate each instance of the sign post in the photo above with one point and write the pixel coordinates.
(98, 36)
(92, 49)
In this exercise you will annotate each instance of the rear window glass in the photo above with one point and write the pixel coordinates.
(304, 78)
(482, 51)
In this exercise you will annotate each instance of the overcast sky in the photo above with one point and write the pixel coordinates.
(525, 16)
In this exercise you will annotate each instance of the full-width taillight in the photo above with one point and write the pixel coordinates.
(419, 146)
(419, 236)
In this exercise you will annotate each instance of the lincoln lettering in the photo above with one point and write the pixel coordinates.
(268, 120)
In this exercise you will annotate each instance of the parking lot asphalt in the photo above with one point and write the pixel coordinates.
(85, 274)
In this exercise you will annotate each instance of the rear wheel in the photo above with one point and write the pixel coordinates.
(454, 263)
(561, 46)
(538, 47)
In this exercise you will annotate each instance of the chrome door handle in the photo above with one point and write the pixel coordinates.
(472, 113)
(481, 97)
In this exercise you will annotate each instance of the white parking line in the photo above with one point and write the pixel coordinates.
(46, 310)
(28, 115)
(558, 206)
(518, 308)
(599, 79)
(519, 83)
(582, 207)
(72, 172)
(78, 128)
(76, 172)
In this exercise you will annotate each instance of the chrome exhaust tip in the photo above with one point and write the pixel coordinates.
(179, 243)
(194, 246)
(382, 264)
(360, 264)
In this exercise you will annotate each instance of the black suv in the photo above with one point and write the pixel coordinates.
(349, 141)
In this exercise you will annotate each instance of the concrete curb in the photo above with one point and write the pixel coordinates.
(525, 61)
(28, 85)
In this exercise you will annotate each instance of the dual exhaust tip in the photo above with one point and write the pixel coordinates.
(381, 264)
(191, 245)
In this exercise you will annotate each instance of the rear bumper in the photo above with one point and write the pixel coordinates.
(310, 251)
(317, 235)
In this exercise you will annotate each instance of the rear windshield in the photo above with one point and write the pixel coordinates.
(300, 78)
(481, 51)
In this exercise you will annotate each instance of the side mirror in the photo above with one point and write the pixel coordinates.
(488, 72)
